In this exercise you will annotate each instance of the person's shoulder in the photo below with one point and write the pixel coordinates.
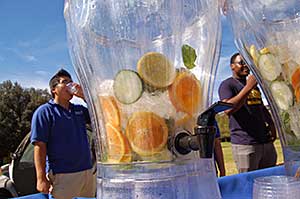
(78, 106)
(227, 81)
(44, 107)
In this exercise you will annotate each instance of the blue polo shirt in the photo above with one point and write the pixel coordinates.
(64, 132)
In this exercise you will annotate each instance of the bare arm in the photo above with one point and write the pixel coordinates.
(219, 157)
(239, 100)
(40, 151)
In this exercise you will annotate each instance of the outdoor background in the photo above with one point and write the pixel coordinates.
(33, 46)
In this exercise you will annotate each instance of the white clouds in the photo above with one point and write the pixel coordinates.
(42, 73)
(29, 58)
(26, 79)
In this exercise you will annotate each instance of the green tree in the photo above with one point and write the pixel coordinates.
(16, 109)
(223, 123)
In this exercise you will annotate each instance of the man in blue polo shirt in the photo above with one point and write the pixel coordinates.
(61, 149)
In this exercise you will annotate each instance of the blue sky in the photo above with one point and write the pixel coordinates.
(33, 43)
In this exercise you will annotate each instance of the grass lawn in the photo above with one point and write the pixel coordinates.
(229, 162)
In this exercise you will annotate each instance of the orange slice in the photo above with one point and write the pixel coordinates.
(297, 94)
(118, 147)
(181, 119)
(147, 133)
(296, 78)
(110, 110)
(185, 93)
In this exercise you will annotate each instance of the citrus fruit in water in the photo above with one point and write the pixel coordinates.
(296, 78)
(147, 133)
(254, 54)
(185, 93)
(296, 83)
(110, 110)
(118, 148)
(156, 70)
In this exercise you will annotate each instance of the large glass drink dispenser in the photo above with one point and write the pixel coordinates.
(148, 68)
(267, 32)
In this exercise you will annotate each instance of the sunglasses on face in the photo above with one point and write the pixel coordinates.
(65, 81)
(242, 63)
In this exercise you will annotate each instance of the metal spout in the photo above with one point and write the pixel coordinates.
(204, 133)
(202, 141)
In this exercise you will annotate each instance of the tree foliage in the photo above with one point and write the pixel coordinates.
(17, 105)
(223, 123)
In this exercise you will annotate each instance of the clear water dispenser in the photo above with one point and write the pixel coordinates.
(148, 70)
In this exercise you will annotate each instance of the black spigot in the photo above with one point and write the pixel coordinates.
(204, 133)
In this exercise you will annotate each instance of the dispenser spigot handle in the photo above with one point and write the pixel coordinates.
(207, 118)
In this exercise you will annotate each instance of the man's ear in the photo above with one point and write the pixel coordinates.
(53, 91)
(232, 66)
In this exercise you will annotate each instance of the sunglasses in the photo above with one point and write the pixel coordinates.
(242, 63)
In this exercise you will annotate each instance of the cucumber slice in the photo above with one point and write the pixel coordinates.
(128, 86)
(269, 67)
(282, 94)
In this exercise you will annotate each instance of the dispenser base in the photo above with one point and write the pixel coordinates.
(189, 179)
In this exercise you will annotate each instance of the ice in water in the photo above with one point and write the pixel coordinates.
(158, 103)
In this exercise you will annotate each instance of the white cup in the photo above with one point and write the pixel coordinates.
(72, 87)
(279, 187)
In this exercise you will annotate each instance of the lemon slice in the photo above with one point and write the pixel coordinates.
(264, 51)
(269, 67)
(156, 70)
(254, 54)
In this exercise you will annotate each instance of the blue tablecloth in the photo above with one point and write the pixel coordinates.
(241, 185)
(231, 187)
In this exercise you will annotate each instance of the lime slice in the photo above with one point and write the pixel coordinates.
(282, 94)
(156, 70)
(269, 67)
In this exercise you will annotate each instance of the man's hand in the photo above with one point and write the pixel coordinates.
(224, 6)
(79, 91)
(239, 100)
(251, 81)
(43, 185)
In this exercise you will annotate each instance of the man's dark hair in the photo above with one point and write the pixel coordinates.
(55, 79)
(233, 57)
